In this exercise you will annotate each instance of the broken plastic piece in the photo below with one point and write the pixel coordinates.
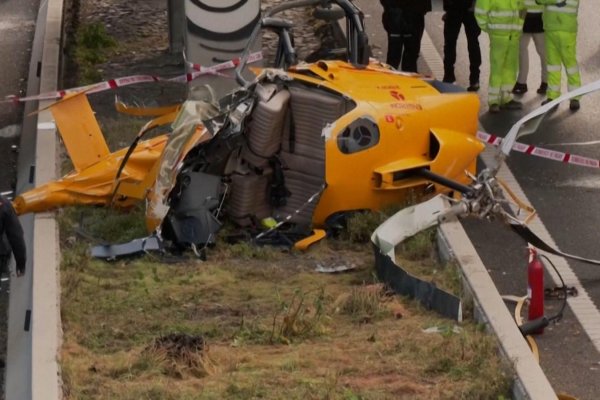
(317, 235)
(133, 248)
(334, 269)
(268, 222)
(443, 329)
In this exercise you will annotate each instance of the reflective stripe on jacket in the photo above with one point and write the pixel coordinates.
(560, 19)
(503, 17)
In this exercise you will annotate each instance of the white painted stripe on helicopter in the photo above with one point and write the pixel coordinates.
(582, 306)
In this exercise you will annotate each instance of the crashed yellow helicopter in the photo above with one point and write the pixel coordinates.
(300, 144)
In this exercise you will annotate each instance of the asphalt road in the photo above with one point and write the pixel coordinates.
(17, 26)
(565, 196)
(17, 29)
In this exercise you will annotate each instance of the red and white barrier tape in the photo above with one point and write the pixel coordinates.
(110, 84)
(541, 152)
(253, 57)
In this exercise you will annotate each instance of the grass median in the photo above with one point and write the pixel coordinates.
(259, 323)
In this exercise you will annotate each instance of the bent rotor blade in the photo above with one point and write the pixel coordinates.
(530, 123)
(393, 231)
(407, 222)
(530, 237)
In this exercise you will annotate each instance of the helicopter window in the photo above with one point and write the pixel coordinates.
(360, 135)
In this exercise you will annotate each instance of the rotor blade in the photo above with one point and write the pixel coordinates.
(530, 237)
(407, 222)
(520, 128)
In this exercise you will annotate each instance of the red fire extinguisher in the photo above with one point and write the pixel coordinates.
(535, 289)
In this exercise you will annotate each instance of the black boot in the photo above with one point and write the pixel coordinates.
(473, 87)
(543, 88)
(519, 88)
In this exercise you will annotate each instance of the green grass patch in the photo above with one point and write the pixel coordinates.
(272, 328)
(102, 224)
(93, 46)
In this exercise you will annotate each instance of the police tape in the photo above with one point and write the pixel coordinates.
(111, 84)
(541, 152)
(253, 57)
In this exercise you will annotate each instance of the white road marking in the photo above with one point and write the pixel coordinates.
(589, 143)
(15, 23)
(589, 182)
(46, 125)
(10, 131)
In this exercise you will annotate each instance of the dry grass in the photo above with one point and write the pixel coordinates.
(271, 328)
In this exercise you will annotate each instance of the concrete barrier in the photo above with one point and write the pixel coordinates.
(45, 313)
(530, 381)
(34, 311)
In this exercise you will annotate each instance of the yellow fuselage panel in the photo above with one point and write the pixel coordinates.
(408, 112)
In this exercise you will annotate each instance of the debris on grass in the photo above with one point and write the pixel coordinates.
(333, 269)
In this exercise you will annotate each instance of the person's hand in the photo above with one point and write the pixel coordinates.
(561, 3)
(444, 17)
(20, 271)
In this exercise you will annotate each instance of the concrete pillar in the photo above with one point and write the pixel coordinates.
(218, 31)
(176, 15)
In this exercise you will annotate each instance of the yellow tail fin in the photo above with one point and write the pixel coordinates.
(79, 130)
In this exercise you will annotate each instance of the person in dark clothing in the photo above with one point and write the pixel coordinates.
(11, 236)
(404, 22)
(457, 13)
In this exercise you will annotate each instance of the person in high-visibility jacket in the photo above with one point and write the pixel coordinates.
(560, 26)
(502, 20)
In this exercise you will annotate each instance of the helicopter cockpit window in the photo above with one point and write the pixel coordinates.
(360, 135)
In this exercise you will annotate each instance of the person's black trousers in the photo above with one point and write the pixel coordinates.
(405, 48)
(452, 25)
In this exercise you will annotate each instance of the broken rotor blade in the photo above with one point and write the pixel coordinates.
(407, 222)
(530, 237)
(400, 226)
(530, 123)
